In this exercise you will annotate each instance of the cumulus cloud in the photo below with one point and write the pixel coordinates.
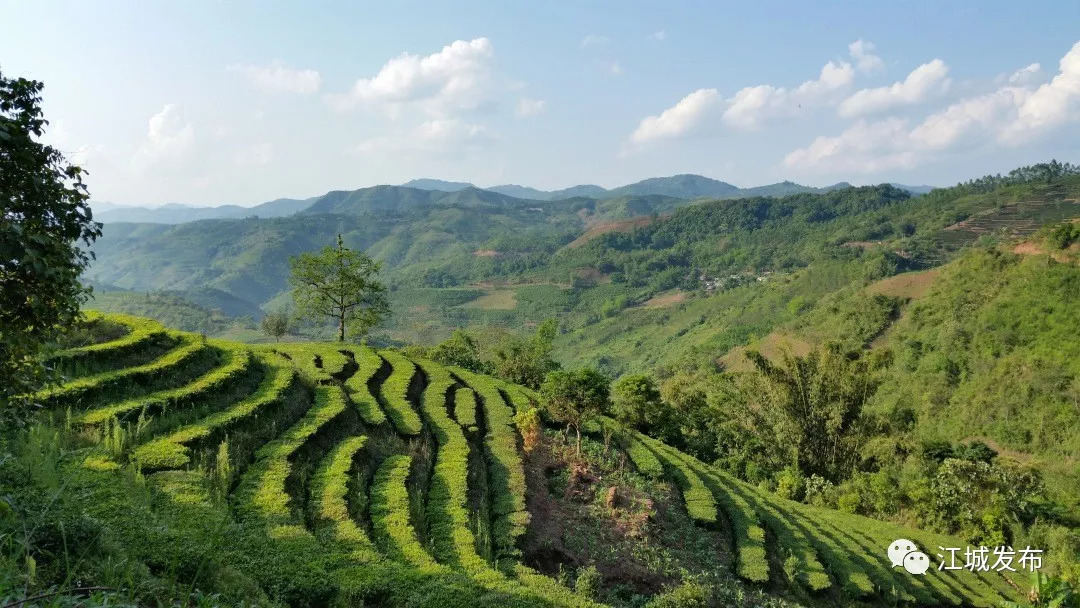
(1022, 77)
(864, 147)
(923, 82)
(751, 107)
(168, 137)
(658, 36)
(678, 119)
(530, 107)
(456, 77)
(863, 54)
(1009, 116)
(277, 78)
(1053, 103)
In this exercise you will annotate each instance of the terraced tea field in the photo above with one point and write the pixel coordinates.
(350, 475)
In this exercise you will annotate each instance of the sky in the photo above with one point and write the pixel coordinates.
(243, 102)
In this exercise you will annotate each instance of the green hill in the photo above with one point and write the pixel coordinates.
(315, 474)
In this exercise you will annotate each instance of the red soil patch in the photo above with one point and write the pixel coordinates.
(771, 346)
(665, 300)
(1031, 248)
(618, 226)
(911, 285)
(485, 253)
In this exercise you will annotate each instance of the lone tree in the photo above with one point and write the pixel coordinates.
(339, 283)
(275, 324)
(43, 217)
(575, 397)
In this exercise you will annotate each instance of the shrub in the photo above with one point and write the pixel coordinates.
(390, 513)
(356, 386)
(395, 394)
(173, 451)
(235, 362)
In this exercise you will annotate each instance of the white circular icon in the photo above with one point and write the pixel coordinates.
(916, 562)
(898, 549)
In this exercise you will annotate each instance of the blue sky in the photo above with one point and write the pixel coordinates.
(243, 102)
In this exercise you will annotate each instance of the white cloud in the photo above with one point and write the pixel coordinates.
(530, 107)
(864, 147)
(457, 77)
(276, 78)
(1053, 103)
(168, 137)
(1008, 116)
(678, 119)
(969, 120)
(1024, 76)
(658, 36)
(751, 107)
(923, 82)
(863, 54)
(594, 40)
(612, 68)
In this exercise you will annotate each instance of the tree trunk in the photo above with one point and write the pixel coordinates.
(341, 328)
(578, 429)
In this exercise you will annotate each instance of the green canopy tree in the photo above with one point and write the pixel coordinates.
(636, 402)
(808, 411)
(339, 283)
(43, 216)
(526, 361)
(575, 397)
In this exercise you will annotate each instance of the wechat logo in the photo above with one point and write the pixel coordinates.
(903, 552)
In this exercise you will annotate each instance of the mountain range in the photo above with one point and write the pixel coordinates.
(420, 192)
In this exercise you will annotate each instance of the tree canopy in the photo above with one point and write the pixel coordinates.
(43, 217)
(339, 283)
(575, 397)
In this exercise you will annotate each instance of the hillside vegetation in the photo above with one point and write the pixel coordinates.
(313, 473)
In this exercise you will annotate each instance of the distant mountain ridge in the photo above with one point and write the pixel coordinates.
(427, 191)
(175, 213)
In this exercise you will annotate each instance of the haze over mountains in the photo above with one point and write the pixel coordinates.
(425, 191)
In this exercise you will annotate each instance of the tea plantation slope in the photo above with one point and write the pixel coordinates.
(342, 474)
(848, 549)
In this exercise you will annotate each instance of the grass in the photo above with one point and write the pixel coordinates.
(494, 299)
